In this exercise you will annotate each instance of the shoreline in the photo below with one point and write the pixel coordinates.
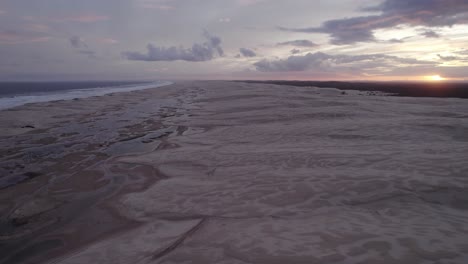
(76, 189)
(16, 100)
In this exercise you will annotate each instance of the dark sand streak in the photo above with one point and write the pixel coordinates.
(180, 240)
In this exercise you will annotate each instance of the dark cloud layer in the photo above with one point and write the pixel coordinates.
(448, 58)
(299, 43)
(394, 40)
(430, 34)
(295, 51)
(428, 13)
(247, 52)
(325, 62)
(198, 52)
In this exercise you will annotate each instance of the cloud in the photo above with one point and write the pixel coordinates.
(293, 63)
(82, 48)
(36, 27)
(462, 52)
(394, 40)
(428, 13)
(2, 12)
(159, 6)
(198, 52)
(81, 18)
(224, 20)
(299, 43)
(12, 37)
(324, 62)
(107, 40)
(295, 51)
(345, 31)
(89, 53)
(247, 52)
(448, 58)
(430, 34)
(78, 42)
(77, 18)
(156, 4)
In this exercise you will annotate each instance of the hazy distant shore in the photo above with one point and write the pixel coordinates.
(235, 172)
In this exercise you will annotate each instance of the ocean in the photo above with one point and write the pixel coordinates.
(14, 94)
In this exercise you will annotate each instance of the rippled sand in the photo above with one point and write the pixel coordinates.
(222, 172)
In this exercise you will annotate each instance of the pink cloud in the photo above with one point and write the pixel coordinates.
(82, 18)
(37, 27)
(2, 12)
(107, 40)
(13, 37)
(79, 18)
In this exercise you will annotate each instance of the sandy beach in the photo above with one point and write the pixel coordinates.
(233, 172)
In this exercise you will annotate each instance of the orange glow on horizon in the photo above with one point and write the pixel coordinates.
(434, 78)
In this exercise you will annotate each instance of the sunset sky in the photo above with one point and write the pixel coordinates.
(234, 39)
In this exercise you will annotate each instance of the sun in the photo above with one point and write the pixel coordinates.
(434, 78)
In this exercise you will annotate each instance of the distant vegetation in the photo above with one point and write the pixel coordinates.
(412, 89)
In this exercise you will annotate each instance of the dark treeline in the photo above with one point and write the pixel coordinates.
(412, 89)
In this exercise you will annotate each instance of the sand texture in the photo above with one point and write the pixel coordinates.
(230, 172)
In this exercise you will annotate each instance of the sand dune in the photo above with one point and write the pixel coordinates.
(222, 172)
